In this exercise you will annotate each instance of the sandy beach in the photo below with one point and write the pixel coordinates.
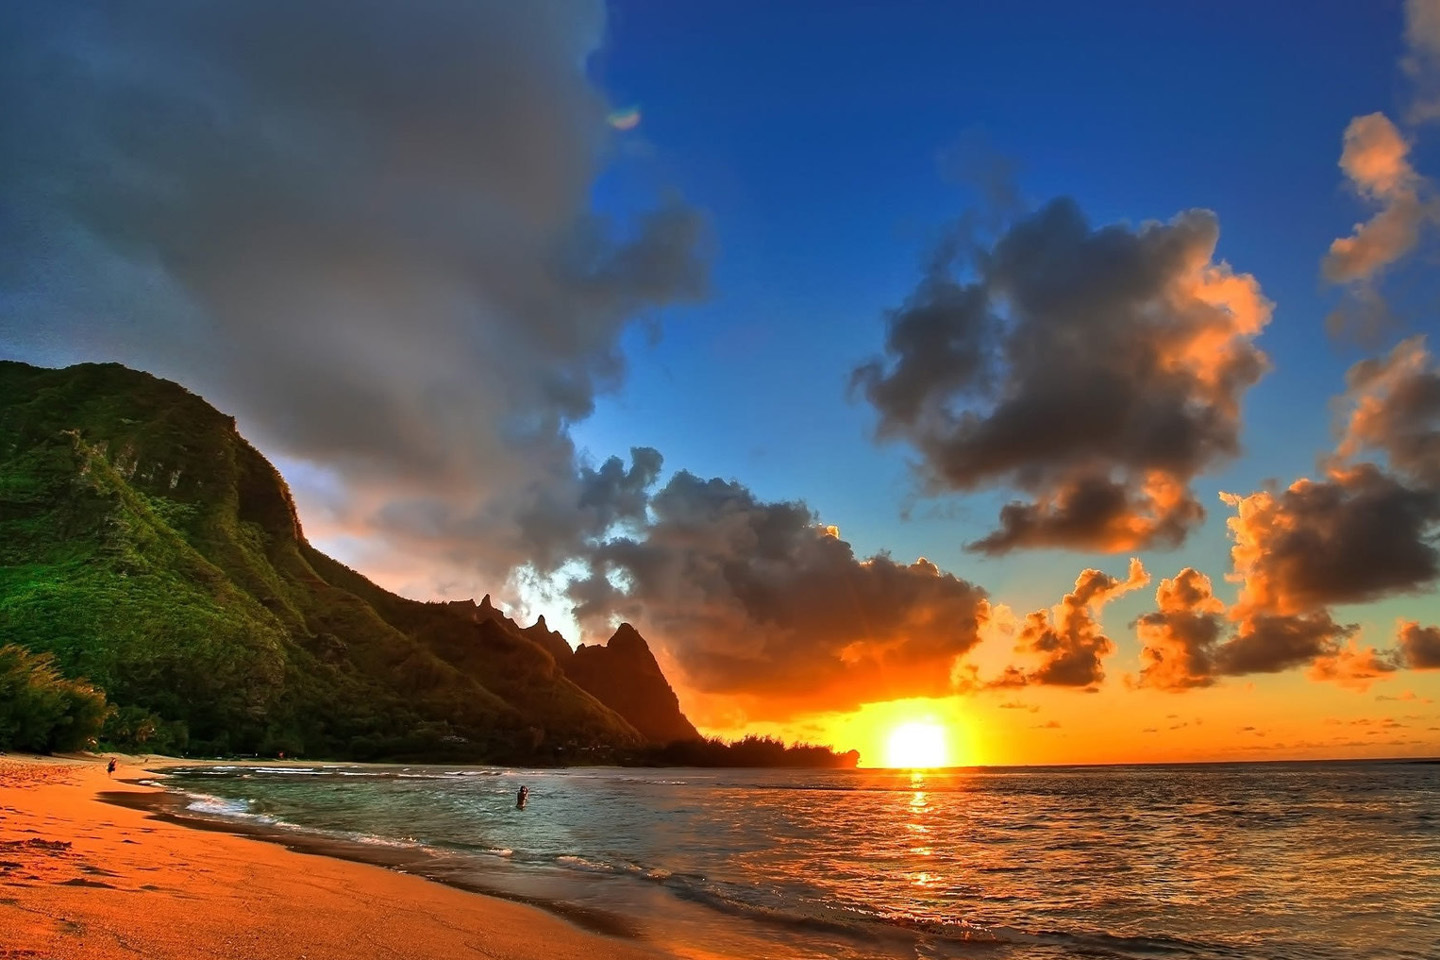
(85, 878)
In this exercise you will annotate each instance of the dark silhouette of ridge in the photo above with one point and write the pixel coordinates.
(624, 675)
(550, 641)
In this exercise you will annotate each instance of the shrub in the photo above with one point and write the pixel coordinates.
(42, 711)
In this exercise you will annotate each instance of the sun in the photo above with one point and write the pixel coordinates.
(917, 745)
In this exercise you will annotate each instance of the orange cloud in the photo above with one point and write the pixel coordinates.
(758, 601)
(1097, 370)
(1376, 159)
(1179, 639)
(1353, 667)
(1364, 532)
(1067, 639)
(1357, 536)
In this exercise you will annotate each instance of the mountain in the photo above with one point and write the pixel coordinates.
(148, 548)
(624, 676)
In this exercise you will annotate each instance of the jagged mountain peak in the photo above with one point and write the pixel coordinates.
(624, 674)
(627, 638)
(150, 548)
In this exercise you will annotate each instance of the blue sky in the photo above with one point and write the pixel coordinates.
(370, 232)
(815, 137)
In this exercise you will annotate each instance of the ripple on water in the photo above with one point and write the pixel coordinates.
(1267, 861)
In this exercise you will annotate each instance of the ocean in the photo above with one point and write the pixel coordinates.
(1266, 861)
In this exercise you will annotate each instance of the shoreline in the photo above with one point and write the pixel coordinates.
(95, 867)
(169, 806)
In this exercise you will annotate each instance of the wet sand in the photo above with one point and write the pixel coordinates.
(84, 878)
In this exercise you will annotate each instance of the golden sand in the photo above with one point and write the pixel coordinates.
(81, 878)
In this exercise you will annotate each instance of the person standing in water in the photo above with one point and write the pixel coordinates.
(521, 797)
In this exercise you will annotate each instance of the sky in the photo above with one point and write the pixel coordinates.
(1062, 375)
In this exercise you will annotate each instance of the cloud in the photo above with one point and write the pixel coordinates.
(1364, 532)
(363, 228)
(758, 600)
(1419, 646)
(1067, 639)
(601, 499)
(1394, 408)
(1179, 638)
(1356, 536)
(1271, 643)
(1408, 695)
(1422, 58)
(1376, 160)
(1097, 370)
(1354, 667)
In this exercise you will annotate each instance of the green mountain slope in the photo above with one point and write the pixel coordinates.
(152, 551)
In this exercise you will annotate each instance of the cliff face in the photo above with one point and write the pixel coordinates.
(149, 548)
(624, 676)
(550, 641)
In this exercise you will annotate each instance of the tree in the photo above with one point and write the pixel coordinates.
(42, 711)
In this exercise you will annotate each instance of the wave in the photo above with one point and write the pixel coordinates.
(853, 923)
(1014, 873)
(956, 937)
(753, 902)
(230, 808)
(245, 771)
(241, 809)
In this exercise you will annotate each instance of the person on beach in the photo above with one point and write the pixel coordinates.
(110, 767)
(521, 797)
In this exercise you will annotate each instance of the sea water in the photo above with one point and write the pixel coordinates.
(1272, 861)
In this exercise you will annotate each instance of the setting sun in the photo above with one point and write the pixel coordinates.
(917, 744)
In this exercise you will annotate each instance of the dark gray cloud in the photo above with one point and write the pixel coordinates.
(1271, 643)
(1187, 642)
(603, 498)
(1419, 646)
(1096, 370)
(1422, 58)
(1358, 535)
(1394, 408)
(362, 226)
(758, 600)
(1364, 532)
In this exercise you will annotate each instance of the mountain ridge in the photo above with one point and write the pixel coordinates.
(148, 547)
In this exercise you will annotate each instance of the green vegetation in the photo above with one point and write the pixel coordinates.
(748, 752)
(40, 710)
(146, 546)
